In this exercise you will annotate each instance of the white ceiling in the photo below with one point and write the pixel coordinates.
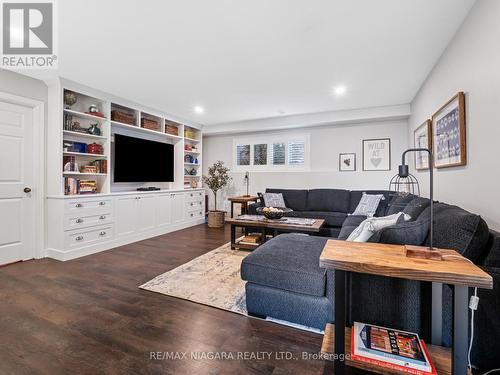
(249, 59)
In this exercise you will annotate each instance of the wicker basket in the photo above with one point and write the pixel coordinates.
(150, 124)
(171, 129)
(123, 117)
(216, 219)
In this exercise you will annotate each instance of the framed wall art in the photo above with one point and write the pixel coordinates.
(448, 133)
(422, 138)
(377, 154)
(347, 162)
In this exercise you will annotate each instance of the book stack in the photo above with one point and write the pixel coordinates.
(73, 186)
(101, 164)
(389, 348)
(251, 239)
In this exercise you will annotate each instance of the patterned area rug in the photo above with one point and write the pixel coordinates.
(212, 279)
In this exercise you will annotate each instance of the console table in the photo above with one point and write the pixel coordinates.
(391, 261)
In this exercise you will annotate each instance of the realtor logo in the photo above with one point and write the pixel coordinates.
(28, 35)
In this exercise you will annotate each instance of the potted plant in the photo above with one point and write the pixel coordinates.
(217, 178)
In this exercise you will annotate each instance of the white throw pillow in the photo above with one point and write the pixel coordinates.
(274, 200)
(368, 204)
(368, 227)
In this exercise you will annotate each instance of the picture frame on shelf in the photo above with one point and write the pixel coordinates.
(422, 138)
(377, 154)
(347, 162)
(448, 133)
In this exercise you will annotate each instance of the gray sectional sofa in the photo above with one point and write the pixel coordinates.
(284, 280)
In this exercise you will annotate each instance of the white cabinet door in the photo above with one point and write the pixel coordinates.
(146, 213)
(126, 215)
(178, 208)
(164, 210)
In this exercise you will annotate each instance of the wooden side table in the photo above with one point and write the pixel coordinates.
(391, 261)
(243, 201)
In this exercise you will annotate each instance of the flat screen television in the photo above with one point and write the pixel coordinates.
(142, 160)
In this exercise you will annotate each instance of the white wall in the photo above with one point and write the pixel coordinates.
(17, 84)
(471, 64)
(326, 144)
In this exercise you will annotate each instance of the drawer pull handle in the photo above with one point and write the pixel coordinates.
(191, 215)
(78, 205)
(191, 194)
(103, 233)
(102, 203)
(102, 217)
(79, 238)
(192, 204)
(79, 221)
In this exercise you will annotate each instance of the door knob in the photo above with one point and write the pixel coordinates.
(27, 190)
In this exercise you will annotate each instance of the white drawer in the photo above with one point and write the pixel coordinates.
(82, 206)
(194, 206)
(84, 237)
(83, 221)
(194, 215)
(195, 196)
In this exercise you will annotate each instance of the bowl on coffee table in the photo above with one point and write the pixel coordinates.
(273, 213)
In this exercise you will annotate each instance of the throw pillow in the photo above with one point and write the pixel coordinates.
(408, 233)
(274, 200)
(368, 204)
(374, 224)
(350, 223)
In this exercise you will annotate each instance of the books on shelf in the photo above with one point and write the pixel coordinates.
(390, 348)
(74, 186)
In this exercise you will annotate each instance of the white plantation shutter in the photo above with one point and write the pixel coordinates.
(260, 154)
(296, 152)
(243, 154)
(278, 153)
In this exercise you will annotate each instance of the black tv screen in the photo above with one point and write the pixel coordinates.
(141, 160)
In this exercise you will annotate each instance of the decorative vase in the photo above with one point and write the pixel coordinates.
(216, 219)
(69, 98)
(94, 129)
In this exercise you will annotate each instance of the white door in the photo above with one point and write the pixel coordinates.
(178, 208)
(146, 218)
(126, 215)
(164, 210)
(16, 182)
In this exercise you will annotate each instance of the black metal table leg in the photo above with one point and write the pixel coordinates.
(263, 234)
(460, 329)
(233, 236)
(340, 317)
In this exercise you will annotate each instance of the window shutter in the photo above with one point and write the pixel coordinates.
(243, 155)
(296, 152)
(260, 154)
(278, 154)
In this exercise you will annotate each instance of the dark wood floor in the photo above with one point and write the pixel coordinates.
(87, 316)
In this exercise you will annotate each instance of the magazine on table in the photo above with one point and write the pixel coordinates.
(391, 348)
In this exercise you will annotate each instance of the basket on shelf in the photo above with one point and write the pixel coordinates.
(124, 117)
(171, 128)
(189, 134)
(150, 124)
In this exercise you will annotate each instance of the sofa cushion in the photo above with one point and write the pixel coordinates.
(350, 223)
(294, 199)
(332, 219)
(336, 200)
(289, 262)
(493, 246)
(382, 206)
(398, 203)
(457, 229)
(416, 206)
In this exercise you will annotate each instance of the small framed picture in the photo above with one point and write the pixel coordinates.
(377, 154)
(347, 162)
(422, 138)
(448, 133)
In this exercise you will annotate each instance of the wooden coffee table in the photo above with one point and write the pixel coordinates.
(263, 225)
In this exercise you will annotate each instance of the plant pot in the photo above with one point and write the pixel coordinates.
(216, 219)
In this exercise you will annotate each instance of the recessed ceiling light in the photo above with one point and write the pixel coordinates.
(199, 109)
(339, 90)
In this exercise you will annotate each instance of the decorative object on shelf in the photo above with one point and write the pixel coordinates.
(347, 162)
(448, 133)
(405, 183)
(69, 164)
(246, 181)
(70, 98)
(94, 129)
(76, 127)
(422, 139)
(188, 158)
(273, 213)
(192, 172)
(196, 160)
(188, 147)
(217, 179)
(123, 117)
(150, 124)
(88, 169)
(171, 127)
(95, 148)
(377, 154)
(93, 109)
(194, 183)
(68, 121)
(70, 146)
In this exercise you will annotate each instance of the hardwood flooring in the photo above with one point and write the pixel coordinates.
(87, 316)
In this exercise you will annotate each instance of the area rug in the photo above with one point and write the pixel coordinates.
(212, 279)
